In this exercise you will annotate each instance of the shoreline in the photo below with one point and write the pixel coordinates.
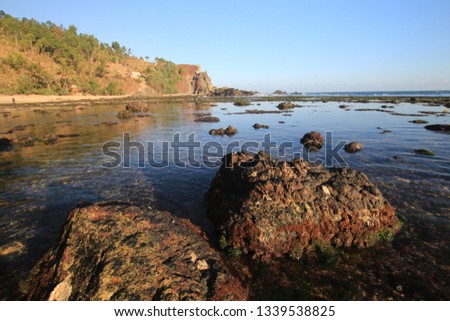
(6, 101)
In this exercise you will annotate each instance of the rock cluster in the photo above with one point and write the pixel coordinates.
(229, 131)
(271, 208)
(118, 251)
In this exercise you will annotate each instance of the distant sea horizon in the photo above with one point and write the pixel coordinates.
(403, 93)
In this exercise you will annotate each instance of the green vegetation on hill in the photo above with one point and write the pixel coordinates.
(163, 77)
(43, 58)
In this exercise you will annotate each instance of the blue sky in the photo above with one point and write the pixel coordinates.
(314, 45)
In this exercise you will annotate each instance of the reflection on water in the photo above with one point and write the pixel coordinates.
(40, 184)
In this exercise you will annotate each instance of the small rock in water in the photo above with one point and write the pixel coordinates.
(312, 141)
(353, 147)
(425, 152)
(137, 106)
(418, 121)
(258, 126)
(207, 119)
(286, 105)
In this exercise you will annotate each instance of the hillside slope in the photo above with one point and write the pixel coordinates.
(43, 58)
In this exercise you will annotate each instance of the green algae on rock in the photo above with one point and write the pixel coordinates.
(119, 251)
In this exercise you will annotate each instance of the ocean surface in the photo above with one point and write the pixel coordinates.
(39, 185)
(420, 93)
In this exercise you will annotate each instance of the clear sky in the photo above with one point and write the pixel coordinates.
(314, 45)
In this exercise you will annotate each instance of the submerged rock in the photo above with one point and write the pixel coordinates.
(272, 208)
(286, 105)
(425, 152)
(312, 141)
(137, 106)
(355, 147)
(207, 119)
(439, 127)
(418, 121)
(258, 126)
(242, 102)
(125, 114)
(118, 251)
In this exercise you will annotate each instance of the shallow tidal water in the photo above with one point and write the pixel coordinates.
(40, 184)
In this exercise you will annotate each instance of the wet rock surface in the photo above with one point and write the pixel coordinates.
(125, 114)
(229, 131)
(439, 127)
(207, 119)
(271, 208)
(312, 141)
(258, 126)
(286, 105)
(242, 102)
(119, 251)
(355, 147)
(137, 106)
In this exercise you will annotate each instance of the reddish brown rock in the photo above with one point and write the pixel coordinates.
(286, 105)
(312, 141)
(271, 208)
(354, 147)
(118, 251)
(137, 106)
(207, 119)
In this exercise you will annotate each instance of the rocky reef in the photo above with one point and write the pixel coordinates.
(119, 251)
(232, 92)
(270, 208)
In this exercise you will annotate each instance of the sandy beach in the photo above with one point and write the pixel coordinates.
(34, 99)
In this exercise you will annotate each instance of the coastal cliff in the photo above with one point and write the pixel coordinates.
(47, 59)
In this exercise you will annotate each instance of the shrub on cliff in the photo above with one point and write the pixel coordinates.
(163, 77)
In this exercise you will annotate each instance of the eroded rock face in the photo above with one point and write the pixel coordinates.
(118, 251)
(271, 208)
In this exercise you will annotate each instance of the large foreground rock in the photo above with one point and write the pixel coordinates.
(271, 208)
(118, 251)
